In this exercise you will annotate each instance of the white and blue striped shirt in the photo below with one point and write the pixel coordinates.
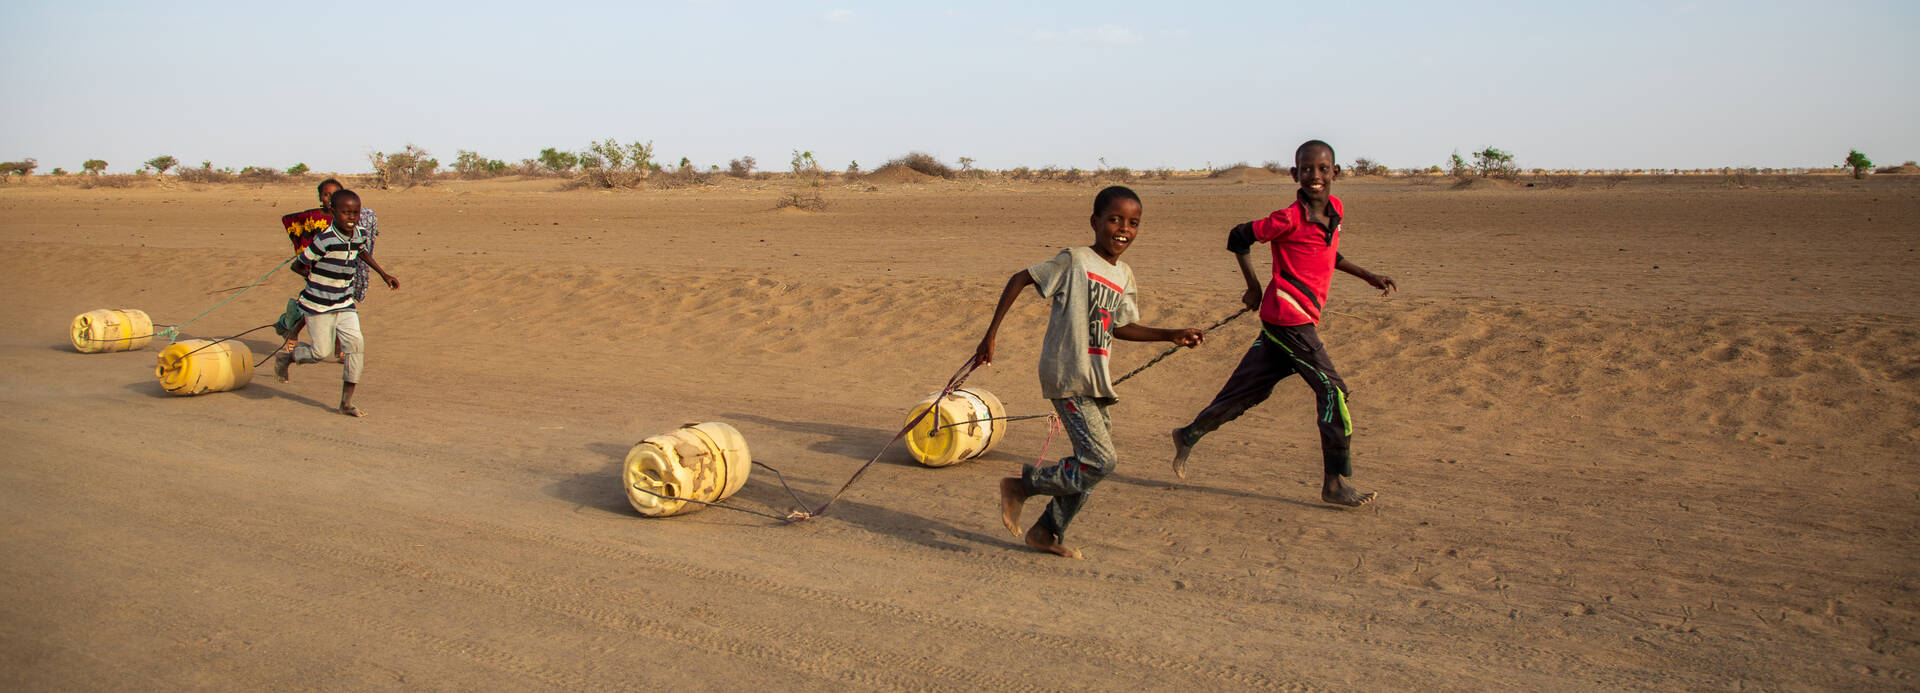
(331, 261)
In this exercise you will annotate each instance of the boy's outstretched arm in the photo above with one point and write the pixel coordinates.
(1186, 337)
(1240, 240)
(1020, 280)
(367, 257)
(1379, 281)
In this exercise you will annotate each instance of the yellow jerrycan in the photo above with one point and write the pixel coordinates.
(193, 367)
(706, 462)
(958, 429)
(101, 331)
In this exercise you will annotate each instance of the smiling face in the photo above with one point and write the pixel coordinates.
(1116, 227)
(346, 213)
(1315, 171)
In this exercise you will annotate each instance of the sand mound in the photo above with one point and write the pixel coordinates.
(898, 174)
(1906, 169)
(1244, 174)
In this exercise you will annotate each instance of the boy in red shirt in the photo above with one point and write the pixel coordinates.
(1306, 250)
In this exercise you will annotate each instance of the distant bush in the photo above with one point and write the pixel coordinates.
(1858, 162)
(924, 163)
(160, 164)
(1162, 173)
(609, 164)
(23, 167)
(95, 166)
(529, 168)
(804, 165)
(853, 169)
(468, 164)
(1457, 167)
(406, 168)
(1364, 166)
(107, 181)
(58, 171)
(1274, 166)
(558, 162)
(299, 169)
(1561, 180)
(809, 201)
(741, 167)
(685, 176)
(261, 174)
(1494, 163)
(205, 174)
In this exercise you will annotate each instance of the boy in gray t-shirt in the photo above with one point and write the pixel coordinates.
(1093, 303)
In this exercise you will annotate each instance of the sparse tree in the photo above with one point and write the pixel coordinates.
(406, 168)
(1493, 163)
(58, 171)
(1859, 163)
(1456, 166)
(299, 169)
(741, 167)
(853, 168)
(558, 161)
(23, 167)
(94, 166)
(161, 163)
(804, 165)
(472, 165)
(610, 164)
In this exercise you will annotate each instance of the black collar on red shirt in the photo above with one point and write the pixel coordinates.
(1333, 216)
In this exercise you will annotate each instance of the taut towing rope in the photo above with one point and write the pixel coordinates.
(802, 513)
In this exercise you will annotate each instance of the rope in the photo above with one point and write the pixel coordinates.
(940, 427)
(1052, 428)
(1169, 352)
(172, 332)
(953, 383)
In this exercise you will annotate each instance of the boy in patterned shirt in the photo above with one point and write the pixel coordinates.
(1093, 303)
(329, 264)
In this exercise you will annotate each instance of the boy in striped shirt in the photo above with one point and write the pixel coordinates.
(329, 263)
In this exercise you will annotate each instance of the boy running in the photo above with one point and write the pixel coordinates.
(1093, 302)
(329, 264)
(1306, 250)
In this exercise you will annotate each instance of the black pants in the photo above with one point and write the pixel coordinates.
(1277, 353)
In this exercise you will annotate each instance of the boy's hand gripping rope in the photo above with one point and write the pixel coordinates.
(1169, 352)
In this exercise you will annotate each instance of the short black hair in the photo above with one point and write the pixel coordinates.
(1311, 145)
(323, 185)
(1109, 194)
(344, 194)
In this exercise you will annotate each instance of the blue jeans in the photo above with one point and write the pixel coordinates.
(1069, 482)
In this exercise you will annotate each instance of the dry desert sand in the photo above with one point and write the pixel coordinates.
(1664, 435)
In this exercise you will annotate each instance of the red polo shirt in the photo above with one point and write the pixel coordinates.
(1304, 254)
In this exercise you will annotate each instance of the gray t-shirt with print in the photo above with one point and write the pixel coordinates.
(1090, 298)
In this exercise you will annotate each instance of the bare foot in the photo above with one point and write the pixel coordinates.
(351, 410)
(1336, 491)
(1013, 494)
(1180, 451)
(1040, 539)
(280, 363)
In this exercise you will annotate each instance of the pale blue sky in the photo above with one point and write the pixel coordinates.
(1180, 84)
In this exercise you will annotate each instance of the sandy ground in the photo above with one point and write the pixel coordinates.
(1657, 436)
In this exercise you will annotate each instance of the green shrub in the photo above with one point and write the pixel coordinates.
(161, 163)
(804, 165)
(741, 167)
(468, 164)
(23, 167)
(1858, 162)
(1494, 163)
(94, 166)
(299, 169)
(558, 162)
